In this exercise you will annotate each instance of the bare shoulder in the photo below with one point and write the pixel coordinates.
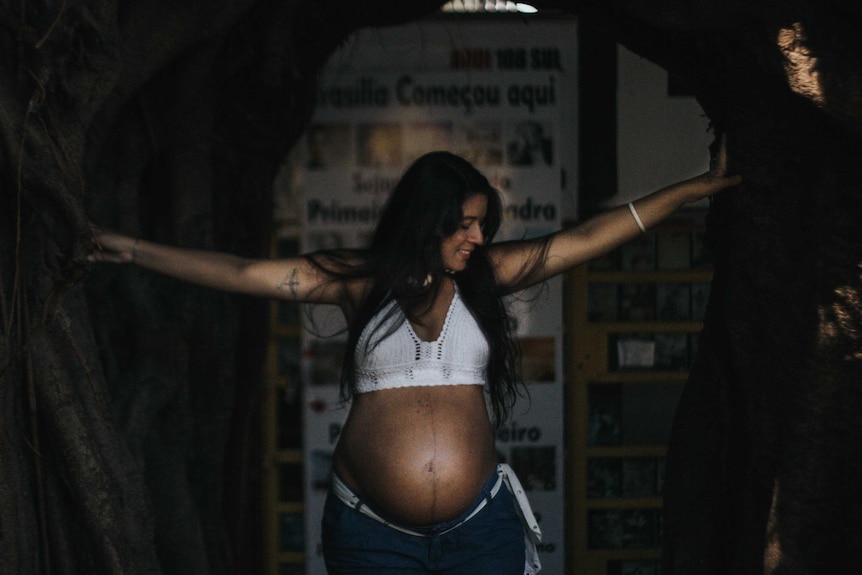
(518, 264)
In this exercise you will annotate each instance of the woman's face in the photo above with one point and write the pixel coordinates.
(456, 249)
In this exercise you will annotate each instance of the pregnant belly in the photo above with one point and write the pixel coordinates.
(420, 455)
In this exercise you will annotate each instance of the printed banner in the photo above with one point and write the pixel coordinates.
(504, 103)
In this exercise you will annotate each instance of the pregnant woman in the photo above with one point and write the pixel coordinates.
(431, 362)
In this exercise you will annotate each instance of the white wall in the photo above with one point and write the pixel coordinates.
(660, 139)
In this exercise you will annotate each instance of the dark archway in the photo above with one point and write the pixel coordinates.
(122, 402)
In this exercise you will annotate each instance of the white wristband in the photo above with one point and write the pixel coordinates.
(637, 217)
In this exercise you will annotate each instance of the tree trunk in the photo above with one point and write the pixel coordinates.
(129, 400)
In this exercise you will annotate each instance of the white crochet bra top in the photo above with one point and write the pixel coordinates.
(458, 356)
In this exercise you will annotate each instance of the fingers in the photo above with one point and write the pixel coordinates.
(718, 160)
(111, 247)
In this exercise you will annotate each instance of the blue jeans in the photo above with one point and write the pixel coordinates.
(490, 543)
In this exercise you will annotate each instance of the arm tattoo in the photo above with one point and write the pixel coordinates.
(289, 284)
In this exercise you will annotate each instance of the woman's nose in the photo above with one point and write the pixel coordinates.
(476, 235)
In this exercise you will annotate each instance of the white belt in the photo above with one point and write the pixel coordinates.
(532, 533)
(505, 474)
(346, 495)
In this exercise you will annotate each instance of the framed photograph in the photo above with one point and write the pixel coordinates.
(639, 254)
(604, 417)
(623, 528)
(604, 477)
(602, 301)
(673, 250)
(637, 302)
(671, 352)
(639, 477)
(538, 361)
(634, 351)
(673, 301)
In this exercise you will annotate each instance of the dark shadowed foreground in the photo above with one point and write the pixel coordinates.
(128, 400)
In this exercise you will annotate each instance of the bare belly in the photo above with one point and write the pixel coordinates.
(420, 454)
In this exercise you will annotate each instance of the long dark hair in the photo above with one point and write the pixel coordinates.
(405, 264)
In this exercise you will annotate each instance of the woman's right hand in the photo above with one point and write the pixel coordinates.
(112, 247)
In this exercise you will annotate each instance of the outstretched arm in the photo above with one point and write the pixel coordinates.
(603, 233)
(295, 279)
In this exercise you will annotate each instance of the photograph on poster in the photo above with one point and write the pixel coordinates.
(379, 145)
(530, 144)
(479, 142)
(535, 466)
(538, 360)
(329, 146)
(423, 137)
